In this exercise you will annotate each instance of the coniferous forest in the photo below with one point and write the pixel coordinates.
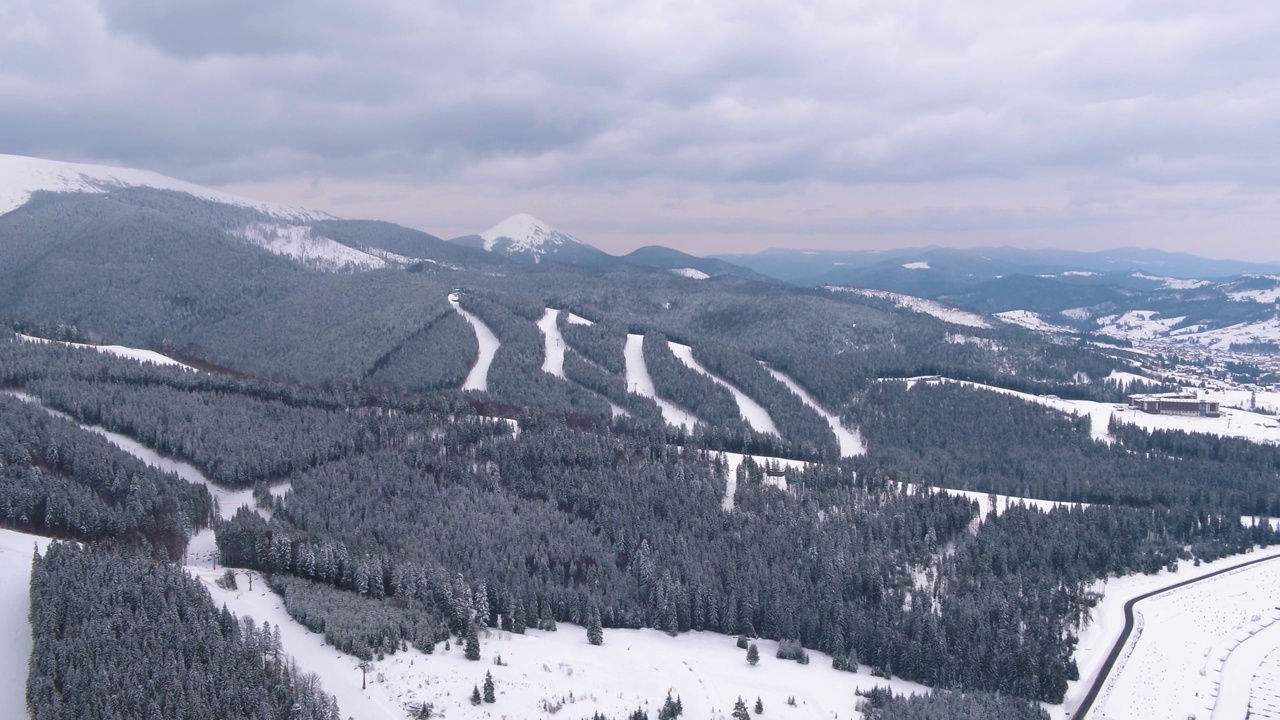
(396, 511)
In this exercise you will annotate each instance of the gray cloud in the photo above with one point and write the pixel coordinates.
(646, 107)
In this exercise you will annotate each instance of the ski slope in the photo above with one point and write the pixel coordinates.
(732, 461)
(16, 550)
(639, 382)
(128, 353)
(478, 378)
(753, 412)
(553, 355)
(850, 441)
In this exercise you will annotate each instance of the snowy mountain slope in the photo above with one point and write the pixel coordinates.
(298, 242)
(944, 313)
(478, 378)
(753, 412)
(142, 356)
(641, 383)
(21, 176)
(15, 633)
(528, 239)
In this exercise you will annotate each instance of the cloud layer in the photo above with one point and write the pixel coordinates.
(712, 126)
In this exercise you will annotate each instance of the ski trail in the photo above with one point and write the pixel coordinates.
(553, 356)
(478, 378)
(16, 549)
(851, 443)
(639, 382)
(733, 460)
(753, 412)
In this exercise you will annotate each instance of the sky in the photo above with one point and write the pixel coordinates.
(712, 127)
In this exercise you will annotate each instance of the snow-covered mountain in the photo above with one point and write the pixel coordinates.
(21, 177)
(524, 237)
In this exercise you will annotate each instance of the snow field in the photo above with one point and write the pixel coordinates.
(573, 319)
(753, 412)
(545, 671)
(691, 273)
(21, 176)
(1106, 622)
(1032, 321)
(553, 356)
(296, 241)
(16, 550)
(955, 316)
(478, 378)
(850, 441)
(1178, 663)
(1099, 413)
(640, 383)
(128, 353)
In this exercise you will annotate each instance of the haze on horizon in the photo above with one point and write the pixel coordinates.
(706, 126)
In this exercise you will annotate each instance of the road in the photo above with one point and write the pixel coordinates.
(1087, 703)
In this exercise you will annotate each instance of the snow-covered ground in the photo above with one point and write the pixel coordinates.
(691, 273)
(1137, 325)
(543, 672)
(573, 319)
(16, 550)
(128, 353)
(955, 316)
(753, 412)
(639, 382)
(1032, 321)
(296, 241)
(1173, 283)
(850, 440)
(916, 265)
(1232, 423)
(733, 460)
(1125, 379)
(1178, 661)
(478, 378)
(21, 176)
(553, 354)
(1243, 333)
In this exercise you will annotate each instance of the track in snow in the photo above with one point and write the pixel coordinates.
(553, 356)
(639, 382)
(753, 412)
(850, 441)
(478, 378)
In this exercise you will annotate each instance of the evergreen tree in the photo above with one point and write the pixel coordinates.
(753, 654)
(671, 709)
(488, 688)
(595, 633)
(759, 706)
(472, 651)
(475, 695)
(740, 710)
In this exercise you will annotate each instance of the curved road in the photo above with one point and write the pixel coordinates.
(1105, 671)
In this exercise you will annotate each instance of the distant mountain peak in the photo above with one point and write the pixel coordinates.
(526, 234)
(22, 176)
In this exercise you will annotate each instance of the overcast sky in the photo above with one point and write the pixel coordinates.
(707, 126)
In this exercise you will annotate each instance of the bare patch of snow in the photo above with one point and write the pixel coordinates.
(916, 265)
(955, 316)
(1032, 321)
(1079, 273)
(128, 353)
(753, 412)
(573, 319)
(478, 378)
(1173, 283)
(691, 273)
(296, 241)
(850, 440)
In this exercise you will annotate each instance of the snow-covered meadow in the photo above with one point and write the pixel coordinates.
(1193, 651)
